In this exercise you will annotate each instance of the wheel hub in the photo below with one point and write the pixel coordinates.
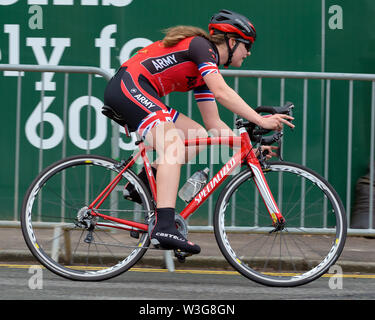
(279, 225)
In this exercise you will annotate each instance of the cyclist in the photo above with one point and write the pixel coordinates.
(186, 59)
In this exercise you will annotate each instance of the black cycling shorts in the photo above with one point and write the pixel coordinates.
(137, 101)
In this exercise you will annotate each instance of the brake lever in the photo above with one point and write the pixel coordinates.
(269, 140)
(278, 152)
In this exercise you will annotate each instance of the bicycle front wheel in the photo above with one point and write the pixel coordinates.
(311, 241)
(66, 237)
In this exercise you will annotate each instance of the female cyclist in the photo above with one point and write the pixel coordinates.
(186, 59)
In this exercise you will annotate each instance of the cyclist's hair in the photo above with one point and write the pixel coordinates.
(174, 35)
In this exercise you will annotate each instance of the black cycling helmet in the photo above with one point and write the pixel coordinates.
(229, 22)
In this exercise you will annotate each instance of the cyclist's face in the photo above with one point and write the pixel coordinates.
(240, 54)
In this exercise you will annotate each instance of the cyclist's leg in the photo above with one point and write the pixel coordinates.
(189, 129)
(134, 98)
(156, 120)
(171, 152)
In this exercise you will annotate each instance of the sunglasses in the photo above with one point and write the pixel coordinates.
(246, 43)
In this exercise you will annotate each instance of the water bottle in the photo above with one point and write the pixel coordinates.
(193, 185)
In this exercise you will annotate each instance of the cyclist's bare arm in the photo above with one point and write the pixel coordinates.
(211, 119)
(226, 96)
(217, 127)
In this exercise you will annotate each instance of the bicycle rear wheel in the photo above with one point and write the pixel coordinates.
(311, 241)
(70, 241)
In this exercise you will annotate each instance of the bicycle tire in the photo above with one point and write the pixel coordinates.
(54, 199)
(300, 254)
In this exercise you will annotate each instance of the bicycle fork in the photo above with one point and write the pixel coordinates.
(278, 221)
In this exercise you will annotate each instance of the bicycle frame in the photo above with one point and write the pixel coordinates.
(246, 155)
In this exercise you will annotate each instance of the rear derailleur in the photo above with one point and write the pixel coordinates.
(86, 221)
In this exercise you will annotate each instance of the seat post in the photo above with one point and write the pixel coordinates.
(126, 130)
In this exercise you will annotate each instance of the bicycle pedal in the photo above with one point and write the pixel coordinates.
(181, 255)
(181, 259)
(156, 243)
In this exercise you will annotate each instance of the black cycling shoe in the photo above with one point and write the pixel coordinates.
(129, 191)
(166, 236)
(173, 240)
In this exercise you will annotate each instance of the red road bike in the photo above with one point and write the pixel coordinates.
(276, 223)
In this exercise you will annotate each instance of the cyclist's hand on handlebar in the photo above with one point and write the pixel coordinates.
(276, 122)
(268, 151)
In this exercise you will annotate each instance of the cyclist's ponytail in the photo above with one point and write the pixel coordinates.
(174, 35)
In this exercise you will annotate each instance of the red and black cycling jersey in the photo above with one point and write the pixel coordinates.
(136, 89)
(178, 68)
